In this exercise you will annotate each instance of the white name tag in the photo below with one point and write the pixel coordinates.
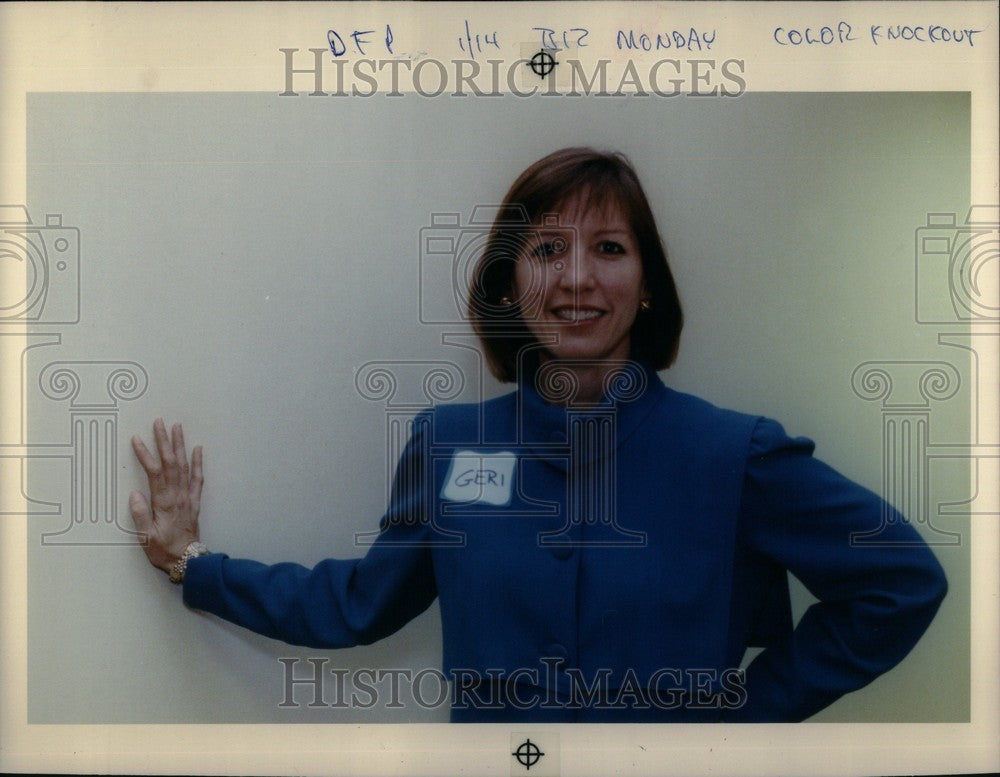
(480, 478)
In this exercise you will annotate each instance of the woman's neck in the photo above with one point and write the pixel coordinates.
(574, 384)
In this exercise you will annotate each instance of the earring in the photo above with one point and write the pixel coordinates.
(645, 305)
(506, 301)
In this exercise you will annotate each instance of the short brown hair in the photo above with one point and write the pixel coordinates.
(604, 180)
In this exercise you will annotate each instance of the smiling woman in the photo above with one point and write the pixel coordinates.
(584, 267)
(603, 548)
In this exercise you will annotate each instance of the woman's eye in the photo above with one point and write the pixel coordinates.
(611, 247)
(549, 248)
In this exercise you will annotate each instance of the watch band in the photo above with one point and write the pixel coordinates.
(179, 567)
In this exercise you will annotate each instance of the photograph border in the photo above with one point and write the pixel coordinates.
(108, 48)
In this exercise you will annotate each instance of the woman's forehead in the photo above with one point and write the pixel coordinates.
(585, 205)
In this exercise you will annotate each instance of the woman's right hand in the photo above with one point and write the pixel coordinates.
(169, 519)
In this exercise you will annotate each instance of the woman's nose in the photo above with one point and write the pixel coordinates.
(575, 270)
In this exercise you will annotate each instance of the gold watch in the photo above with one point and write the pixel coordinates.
(177, 570)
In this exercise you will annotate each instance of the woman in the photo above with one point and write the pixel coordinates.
(603, 547)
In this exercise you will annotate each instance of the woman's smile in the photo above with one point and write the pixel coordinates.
(577, 315)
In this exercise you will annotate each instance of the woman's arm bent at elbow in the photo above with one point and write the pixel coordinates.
(876, 598)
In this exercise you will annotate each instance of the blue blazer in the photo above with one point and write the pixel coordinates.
(612, 564)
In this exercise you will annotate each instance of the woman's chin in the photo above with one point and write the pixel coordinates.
(569, 353)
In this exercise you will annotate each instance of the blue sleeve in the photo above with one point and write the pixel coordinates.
(337, 603)
(875, 600)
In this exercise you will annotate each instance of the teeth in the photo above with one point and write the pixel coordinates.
(577, 315)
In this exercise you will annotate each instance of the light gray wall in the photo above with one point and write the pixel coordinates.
(251, 252)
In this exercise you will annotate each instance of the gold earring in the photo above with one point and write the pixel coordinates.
(506, 301)
(645, 305)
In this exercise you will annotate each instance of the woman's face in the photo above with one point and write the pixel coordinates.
(582, 281)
